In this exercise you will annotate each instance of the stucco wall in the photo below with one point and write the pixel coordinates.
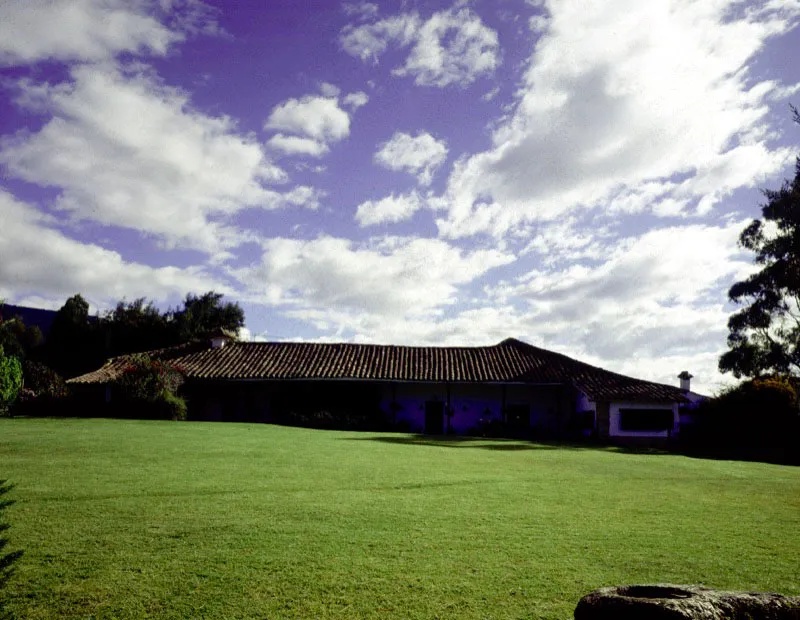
(614, 419)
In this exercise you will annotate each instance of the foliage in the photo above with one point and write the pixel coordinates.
(136, 326)
(73, 345)
(43, 381)
(7, 558)
(174, 407)
(17, 338)
(78, 343)
(44, 391)
(149, 379)
(764, 336)
(147, 388)
(204, 314)
(758, 419)
(365, 525)
(10, 379)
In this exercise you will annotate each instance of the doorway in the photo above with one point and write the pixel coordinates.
(434, 417)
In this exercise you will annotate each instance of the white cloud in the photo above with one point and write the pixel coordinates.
(646, 306)
(361, 10)
(369, 41)
(93, 30)
(389, 277)
(451, 47)
(603, 116)
(355, 100)
(390, 209)
(38, 261)
(316, 122)
(419, 155)
(316, 117)
(128, 151)
(295, 145)
(329, 90)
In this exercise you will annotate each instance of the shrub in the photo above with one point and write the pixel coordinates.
(758, 419)
(10, 380)
(147, 388)
(43, 381)
(174, 406)
(147, 379)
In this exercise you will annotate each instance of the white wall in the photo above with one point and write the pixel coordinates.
(614, 430)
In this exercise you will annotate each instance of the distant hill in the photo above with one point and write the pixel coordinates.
(41, 318)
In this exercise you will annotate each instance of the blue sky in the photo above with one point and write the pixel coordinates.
(573, 174)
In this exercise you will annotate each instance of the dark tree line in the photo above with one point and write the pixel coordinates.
(78, 342)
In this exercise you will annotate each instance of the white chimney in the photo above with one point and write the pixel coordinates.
(220, 337)
(686, 379)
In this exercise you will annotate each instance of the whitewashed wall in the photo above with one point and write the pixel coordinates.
(615, 431)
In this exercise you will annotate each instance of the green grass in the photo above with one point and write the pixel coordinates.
(126, 519)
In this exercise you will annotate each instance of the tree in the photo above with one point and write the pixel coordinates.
(73, 346)
(202, 315)
(10, 380)
(16, 338)
(764, 336)
(134, 327)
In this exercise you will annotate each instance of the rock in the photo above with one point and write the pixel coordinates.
(675, 602)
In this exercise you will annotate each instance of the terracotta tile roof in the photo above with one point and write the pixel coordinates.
(510, 361)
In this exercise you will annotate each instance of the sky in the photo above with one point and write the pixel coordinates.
(574, 174)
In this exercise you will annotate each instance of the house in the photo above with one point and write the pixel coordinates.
(434, 390)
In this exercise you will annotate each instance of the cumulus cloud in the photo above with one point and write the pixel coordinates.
(317, 117)
(360, 10)
(388, 276)
(645, 305)
(37, 260)
(451, 47)
(295, 145)
(94, 30)
(419, 155)
(601, 120)
(355, 100)
(388, 210)
(315, 120)
(128, 151)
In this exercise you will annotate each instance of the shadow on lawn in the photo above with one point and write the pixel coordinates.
(491, 443)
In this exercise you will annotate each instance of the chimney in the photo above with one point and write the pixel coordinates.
(686, 379)
(220, 337)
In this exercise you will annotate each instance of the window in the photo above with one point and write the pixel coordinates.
(645, 419)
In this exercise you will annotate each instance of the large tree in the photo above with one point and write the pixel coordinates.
(73, 345)
(135, 326)
(764, 335)
(206, 313)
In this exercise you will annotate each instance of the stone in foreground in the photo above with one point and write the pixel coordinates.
(676, 602)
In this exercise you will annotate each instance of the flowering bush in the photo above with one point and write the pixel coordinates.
(152, 384)
(148, 379)
(43, 381)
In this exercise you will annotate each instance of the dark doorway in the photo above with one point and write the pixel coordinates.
(518, 420)
(434, 417)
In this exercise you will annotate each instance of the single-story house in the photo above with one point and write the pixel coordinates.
(431, 390)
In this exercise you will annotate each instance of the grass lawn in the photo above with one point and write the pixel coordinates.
(128, 519)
